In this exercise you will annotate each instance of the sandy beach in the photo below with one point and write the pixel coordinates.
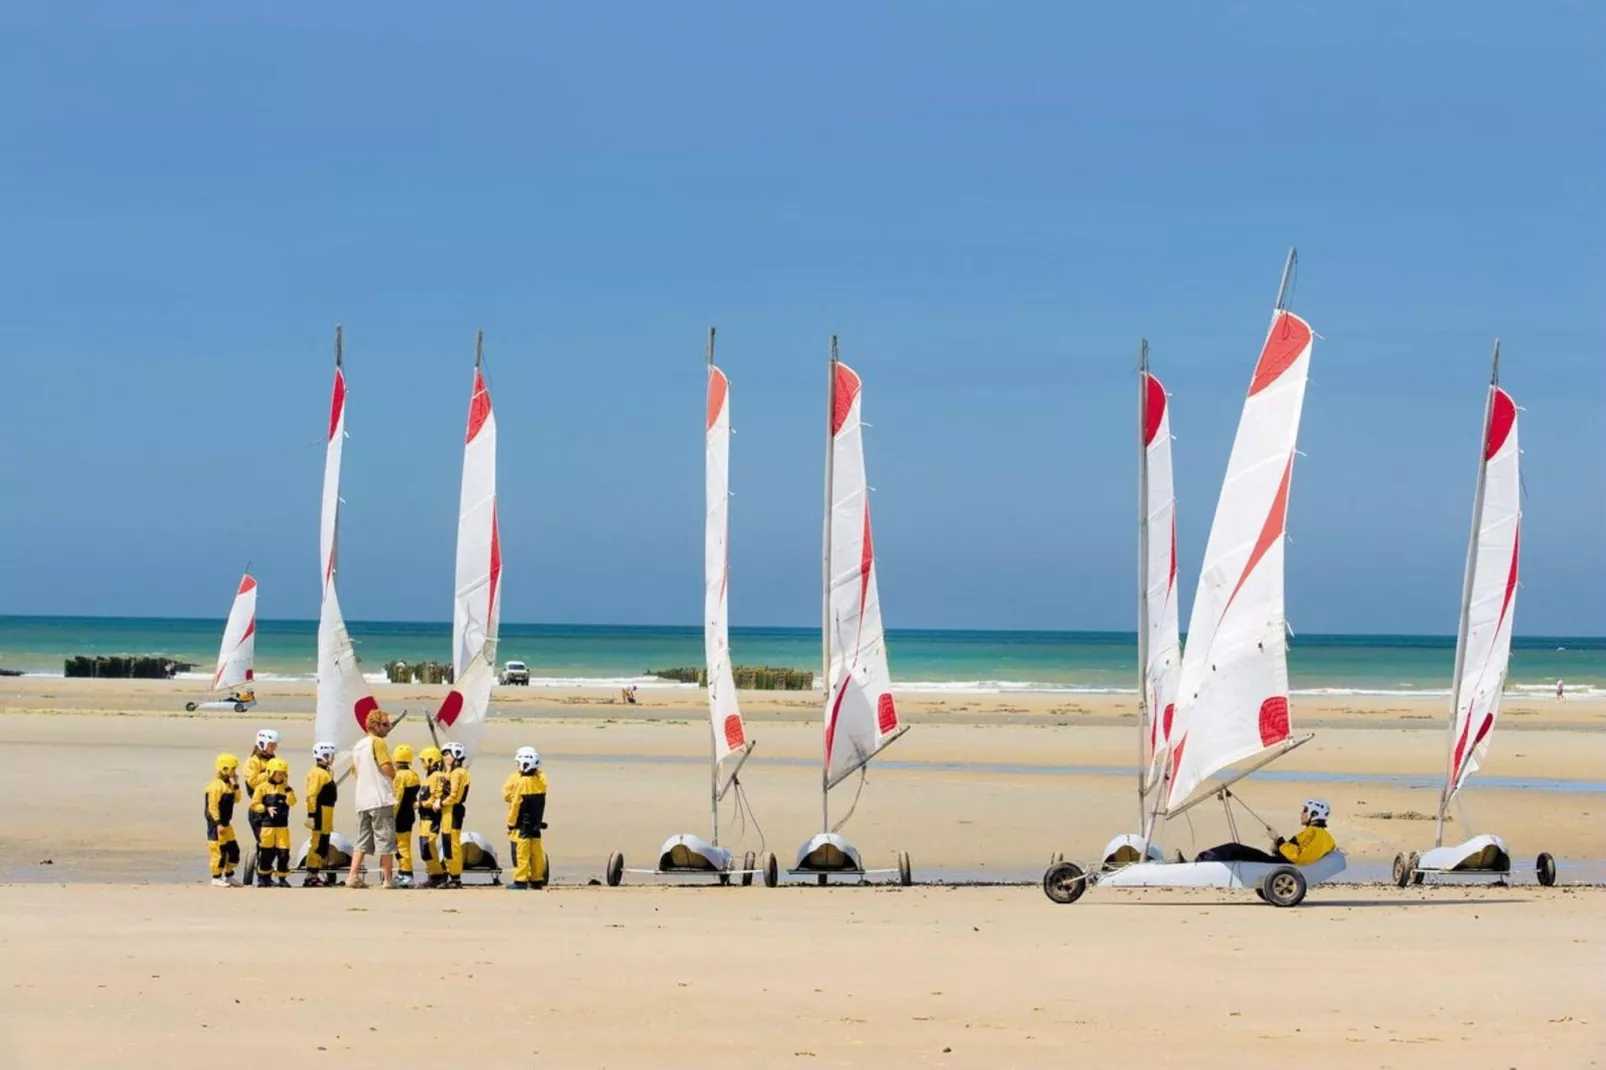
(103, 781)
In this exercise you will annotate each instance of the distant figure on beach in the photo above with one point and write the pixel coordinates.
(1310, 844)
(1561, 691)
(629, 694)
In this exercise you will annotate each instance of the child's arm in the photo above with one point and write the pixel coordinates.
(214, 799)
(455, 786)
(258, 805)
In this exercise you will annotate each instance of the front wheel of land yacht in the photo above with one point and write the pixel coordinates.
(1283, 887)
(906, 875)
(749, 863)
(1064, 882)
(189, 707)
(822, 880)
(1545, 869)
(239, 707)
(1402, 871)
(615, 871)
(772, 872)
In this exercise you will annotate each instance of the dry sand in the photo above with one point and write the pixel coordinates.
(116, 952)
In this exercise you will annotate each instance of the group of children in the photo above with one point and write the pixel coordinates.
(432, 807)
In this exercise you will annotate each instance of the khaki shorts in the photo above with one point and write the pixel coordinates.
(376, 831)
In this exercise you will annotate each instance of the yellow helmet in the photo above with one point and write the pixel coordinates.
(278, 765)
(227, 763)
(430, 755)
(402, 753)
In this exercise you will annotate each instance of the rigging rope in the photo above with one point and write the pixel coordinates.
(864, 774)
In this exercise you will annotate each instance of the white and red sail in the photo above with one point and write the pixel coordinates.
(1483, 647)
(1232, 703)
(477, 608)
(860, 716)
(1161, 651)
(343, 697)
(726, 716)
(236, 659)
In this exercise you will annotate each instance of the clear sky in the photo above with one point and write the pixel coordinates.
(990, 203)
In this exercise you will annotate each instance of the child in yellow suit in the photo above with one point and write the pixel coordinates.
(273, 799)
(222, 793)
(525, 820)
(453, 811)
(406, 785)
(322, 794)
(436, 786)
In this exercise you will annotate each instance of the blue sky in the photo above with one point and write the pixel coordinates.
(989, 203)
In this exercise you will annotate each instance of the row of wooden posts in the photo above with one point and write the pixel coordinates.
(748, 678)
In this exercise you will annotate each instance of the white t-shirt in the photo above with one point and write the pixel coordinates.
(374, 789)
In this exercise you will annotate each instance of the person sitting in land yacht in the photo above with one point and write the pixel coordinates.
(1310, 844)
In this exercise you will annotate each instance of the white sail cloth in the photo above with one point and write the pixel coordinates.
(724, 713)
(1485, 640)
(1232, 701)
(236, 658)
(343, 698)
(860, 715)
(477, 607)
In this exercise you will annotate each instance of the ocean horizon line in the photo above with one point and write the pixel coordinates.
(1114, 634)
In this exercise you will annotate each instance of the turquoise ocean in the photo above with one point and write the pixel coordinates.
(980, 661)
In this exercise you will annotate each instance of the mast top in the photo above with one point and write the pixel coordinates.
(710, 345)
(479, 347)
(1143, 355)
(340, 344)
(1494, 371)
(1288, 270)
(833, 349)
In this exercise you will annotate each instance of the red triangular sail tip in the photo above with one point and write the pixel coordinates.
(1290, 336)
(479, 407)
(844, 392)
(718, 388)
(1502, 418)
(337, 404)
(1153, 408)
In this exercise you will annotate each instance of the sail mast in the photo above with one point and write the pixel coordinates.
(713, 745)
(1466, 597)
(1288, 270)
(1144, 713)
(825, 580)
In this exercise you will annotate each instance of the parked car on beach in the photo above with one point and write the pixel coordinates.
(516, 673)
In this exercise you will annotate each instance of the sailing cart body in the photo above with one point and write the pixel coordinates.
(1230, 713)
(685, 854)
(1482, 650)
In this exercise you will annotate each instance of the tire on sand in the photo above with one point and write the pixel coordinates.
(1064, 882)
(1283, 887)
(1545, 869)
(615, 871)
(772, 872)
(749, 863)
(1402, 871)
(906, 875)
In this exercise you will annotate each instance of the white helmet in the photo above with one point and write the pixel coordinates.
(266, 738)
(323, 752)
(456, 750)
(1318, 809)
(528, 760)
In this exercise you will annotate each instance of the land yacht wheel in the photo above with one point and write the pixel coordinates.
(1402, 871)
(1417, 876)
(615, 871)
(189, 707)
(724, 880)
(749, 863)
(1284, 887)
(1545, 869)
(239, 707)
(1064, 882)
(822, 880)
(772, 872)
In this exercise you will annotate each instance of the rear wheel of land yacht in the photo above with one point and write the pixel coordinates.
(1283, 887)
(1064, 882)
(1545, 869)
(749, 863)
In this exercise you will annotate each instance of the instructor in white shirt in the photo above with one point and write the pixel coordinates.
(376, 801)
